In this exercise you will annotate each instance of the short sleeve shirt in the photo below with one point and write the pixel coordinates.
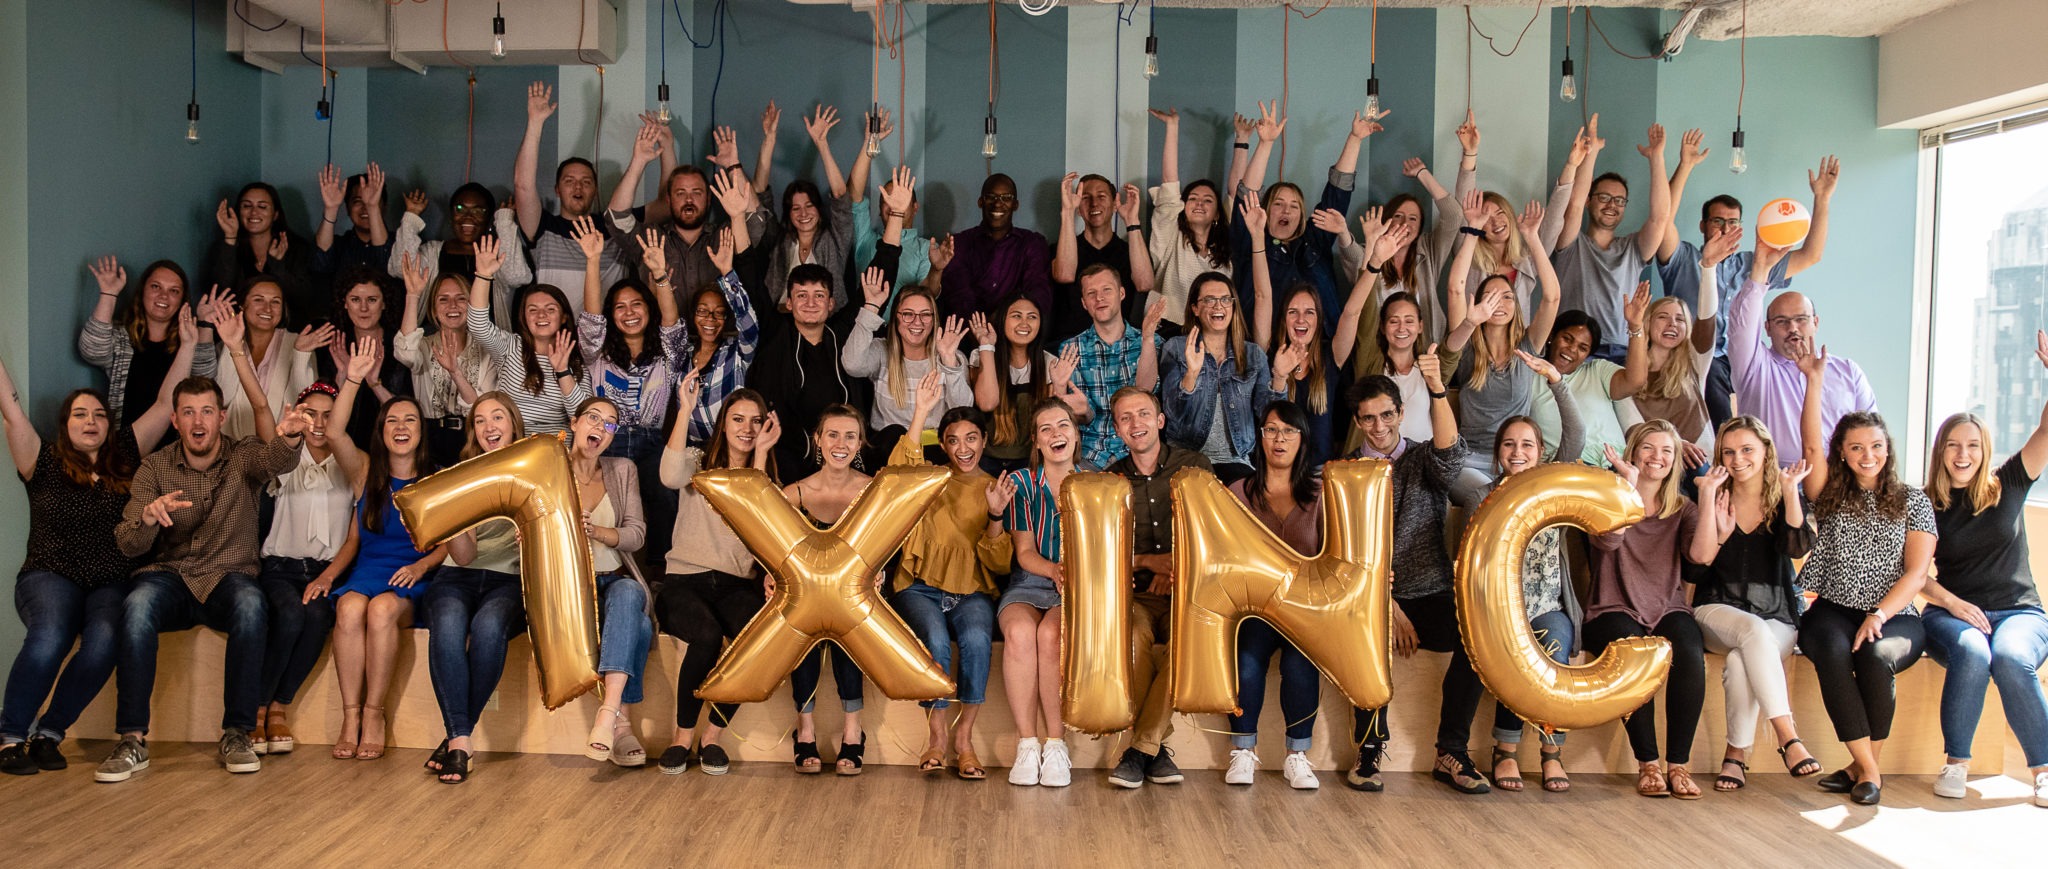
(1859, 555)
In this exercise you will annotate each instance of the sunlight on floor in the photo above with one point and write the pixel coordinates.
(1996, 825)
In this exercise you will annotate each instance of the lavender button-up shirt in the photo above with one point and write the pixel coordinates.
(1771, 387)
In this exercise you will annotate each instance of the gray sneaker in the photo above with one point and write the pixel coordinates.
(1953, 781)
(237, 753)
(130, 757)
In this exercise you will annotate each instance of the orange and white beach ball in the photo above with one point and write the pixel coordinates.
(1783, 223)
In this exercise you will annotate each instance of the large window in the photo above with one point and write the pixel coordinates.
(1990, 280)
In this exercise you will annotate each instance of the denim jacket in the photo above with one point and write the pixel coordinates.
(1190, 414)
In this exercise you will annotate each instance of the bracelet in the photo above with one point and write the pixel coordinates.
(1241, 146)
(1473, 231)
(1635, 332)
(353, 380)
(985, 348)
(995, 517)
(1471, 154)
(1259, 250)
(662, 280)
(1434, 395)
(1373, 269)
(327, 220)
(105, 293)
(491, 278)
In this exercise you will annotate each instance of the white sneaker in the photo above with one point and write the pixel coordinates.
(2041, 790)
(1024, 770)
(1953, 781)
(1055, 768)
(1301, 775)
(1244, 766)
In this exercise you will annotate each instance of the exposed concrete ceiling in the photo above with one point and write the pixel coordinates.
(1719, 19)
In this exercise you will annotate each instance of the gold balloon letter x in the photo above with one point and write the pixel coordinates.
(825, 587)
(530, 483)
(1334, 607)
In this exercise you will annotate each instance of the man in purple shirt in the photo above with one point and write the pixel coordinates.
(996, 260)
(1768, 382)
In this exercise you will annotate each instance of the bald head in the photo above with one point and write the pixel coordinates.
(1790, 322)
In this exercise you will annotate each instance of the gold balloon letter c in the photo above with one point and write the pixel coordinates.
(1490, 614)
(530, 483)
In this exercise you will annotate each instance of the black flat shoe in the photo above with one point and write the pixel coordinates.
(1866, 793)
(1837, 782)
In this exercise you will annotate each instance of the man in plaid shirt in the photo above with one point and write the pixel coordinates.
(1113, 354)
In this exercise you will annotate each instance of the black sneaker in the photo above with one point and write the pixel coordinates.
(1130, 769)
(43, 750)
(1365, 776)
(712, 760)
(676, 759)
(1455, 768)
(1161, 770)
(14, 760)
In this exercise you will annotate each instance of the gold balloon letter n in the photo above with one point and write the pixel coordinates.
(1334, 606)
(1545, 693)
(825, 588)
(530, 483)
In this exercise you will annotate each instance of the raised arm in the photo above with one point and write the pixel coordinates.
(1689, 155)
(149, 428)
(1713, 504)
(1169, 145)
(1578, 171)
(1143, 280)
(1635, 370)
(771, 125)
(819, 125)
(1148, 345)
(1269, 127)
(1066, 250)
(362, 362)
(591, 242)
(1657, 223)
(1746, 312)
(1254, 218)
(22, 440)
(1706, 312)
(333, 189)
(96, 340)
(220, 308)
(1812, 434)
(1443, 422)
(1546, 278)
(1363, 125)
(876, 129)
(2034, 453)
(646, 149)
(1823, 185)
(540, 103)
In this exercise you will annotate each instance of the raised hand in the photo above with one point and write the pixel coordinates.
(874, 288)
(1288, 361)
(1169, 117)
(1724, 512)
(1654, 148)
(487, 258)
(1582, 147)
(584, 231)
(1594, 144)
(999, 493)
(896, 195)
(1710, 482)
(1791, 477)
(721, 250)
(1468, 134)
(416, 202)
(1637, 306)
(1813, 363)
(819, 125)
(417, 276)
(1372, 225)
(333, 188)
(560, 350)
(1621, 466)
(654, 254)
(1689, 151)
(1540, 365)
(1720, 247)
(1823, 181)
(363, 359)
(1413, 167)
(1366, 123)
(1242, 127)
(107, 271)
(949, 342)
(297, 420)
(1070, 192)
(731, 188)
(1195, 353)
(1391, 239)
(771, 120)
(1487, 305)
(227, 321)
(230, 223)
(647, 142)
(1270, 124)
(188, 325)
(1127, 204)
(159, 511)
(688, 390)
(771, 432)
(1254, 216)
(985, 332)
(942, 252)
(1473, 203)
(445, 355)
(1154, 312)
(884, 128)
(1060, 372)
(373, 184)
(540, 103)
(311, 338)
(1432, 369)
(1332, 221)
(1694, 455)
(725, 149)
(1532, 219)
(279, 244)
(930, 391)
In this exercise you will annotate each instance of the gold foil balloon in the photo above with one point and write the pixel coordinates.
(1490, 615)
(1095, 630)
(1228, 567)
(530, 483)
(825, 584)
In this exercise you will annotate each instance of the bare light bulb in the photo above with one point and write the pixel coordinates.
(1568, 88)
(1738, 157)
(1151, 57)
(1372, 96)
(498, 34)
(988, 138)
(661, 112)
(874, 143)
(192, 122)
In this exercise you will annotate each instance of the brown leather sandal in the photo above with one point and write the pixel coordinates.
(969, 767)
(932, 762)
(1650, 781)
(281, 739)
(345, 744)
(1508, 782)
(1681, 783)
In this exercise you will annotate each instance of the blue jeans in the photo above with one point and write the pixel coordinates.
(943, 620)
(55, 610)
(2011, 656)
(642, 444)
(803, 681)
(298, 631)
(1300, 687)
(159, 603)
(471, 615)
(1554, 632)
(624, 632)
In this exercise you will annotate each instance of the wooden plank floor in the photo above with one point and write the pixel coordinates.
(552, 810)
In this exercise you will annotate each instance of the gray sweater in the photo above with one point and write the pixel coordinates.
(1422, 492)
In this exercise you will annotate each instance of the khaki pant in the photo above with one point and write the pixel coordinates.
(1149, 614)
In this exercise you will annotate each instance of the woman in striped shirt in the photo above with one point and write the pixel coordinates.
(1029, 611)
(538, 367)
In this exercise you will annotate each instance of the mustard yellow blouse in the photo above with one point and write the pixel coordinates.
(949, 549)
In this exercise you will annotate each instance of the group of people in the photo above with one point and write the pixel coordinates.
(816, 337)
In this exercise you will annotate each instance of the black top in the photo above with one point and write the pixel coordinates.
(1152, 502)
(1753, 571)
(71, 527)
(1067, 317)
(146, 372)
(1982, 557)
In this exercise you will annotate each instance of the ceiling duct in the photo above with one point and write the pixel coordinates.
(274, 34)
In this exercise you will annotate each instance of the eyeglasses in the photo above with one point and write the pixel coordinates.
(916, 315)
(710, 313)
(1385, 417)
(1001, 199)
(1214, 302)
(1610, 199)
(1724, 222)
(1280, 432)
(599, 420)
(465, 209)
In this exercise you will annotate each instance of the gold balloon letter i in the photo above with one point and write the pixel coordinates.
(1334, 607)
(825, 584)
(1489, 589)
(1095, 634)
(530, 483)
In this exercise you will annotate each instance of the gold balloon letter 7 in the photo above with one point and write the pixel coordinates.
(530, 483)
(1095, 654)
(1334, 607)
(1490, 614)
(825, 584)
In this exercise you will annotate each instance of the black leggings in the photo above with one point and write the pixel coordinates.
(703, 610)
(1856, 686)
(1684, 692)
(1435, 618)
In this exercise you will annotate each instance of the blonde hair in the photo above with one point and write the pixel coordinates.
(1311, 391)
(1773, 492)
(1482, 353)
(893, 340)
(1678, 378)
(471, 448)
(1670, 496)
(1513, 252)
(1984, 488)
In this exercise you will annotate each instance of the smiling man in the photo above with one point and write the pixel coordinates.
(192, 514)
(1764, 349)
(1597, 265)
(1114, 354)
(995, 259)
(1094, 199)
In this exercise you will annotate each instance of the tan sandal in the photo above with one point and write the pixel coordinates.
(1650, 781)
(281, 739)
(1511, 783)
(345, 745)
(373, 750)
(932, 762)
(259, 736)
(1681, 783)
(969, 767)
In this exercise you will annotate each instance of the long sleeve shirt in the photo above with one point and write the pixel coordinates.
(513, 271)
(1175, 263)
(546, 410)
(1773, 389)
(950, 548)
(1306, 259)
(987, 270)
(215, 536)
(867, 355)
